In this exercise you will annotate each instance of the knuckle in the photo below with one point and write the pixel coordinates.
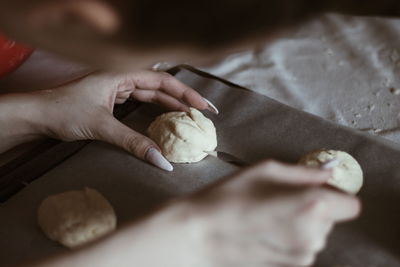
(136, 145)
(154, 97)
(130, 142)
(165, 75)
(165, 78)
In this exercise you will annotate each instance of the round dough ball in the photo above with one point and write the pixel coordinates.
(74, 218)
(347, 175)
(184, 136)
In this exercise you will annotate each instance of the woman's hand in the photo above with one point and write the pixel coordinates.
(268, 215)
(83, 109)
(272, 214)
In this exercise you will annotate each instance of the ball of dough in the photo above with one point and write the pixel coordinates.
(74, 218)
(184, 136)
(347, 174)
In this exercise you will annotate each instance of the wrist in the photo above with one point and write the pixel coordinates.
(19, 119)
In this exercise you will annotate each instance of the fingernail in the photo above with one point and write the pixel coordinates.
(154, 157)
(211, 106)
(162, 66)
(330, 164)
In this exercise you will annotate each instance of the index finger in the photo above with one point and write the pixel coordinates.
(168, 84)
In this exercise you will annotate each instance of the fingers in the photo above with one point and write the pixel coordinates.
(297, 240)
(172, 86)
(273, 171)
(331, 205)
(169, 85)
(335, 205)
(160, 98)
(289, 225)
(318, 210)
(114, 132)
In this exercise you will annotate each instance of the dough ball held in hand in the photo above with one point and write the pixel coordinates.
(184, 136)
(75, 218)
(347, 174)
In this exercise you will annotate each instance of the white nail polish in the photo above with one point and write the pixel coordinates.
(162, 66)
(211, 106)
(154, 157)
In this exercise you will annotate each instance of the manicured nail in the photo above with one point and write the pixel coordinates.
(162, 66)
(211, 106)
(154, 157)
(330, 164)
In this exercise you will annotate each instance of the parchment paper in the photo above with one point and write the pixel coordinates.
(251, 127)
(349, 66)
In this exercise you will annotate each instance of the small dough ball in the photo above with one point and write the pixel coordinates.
(74, 218)
(184, 136)
(347, 175)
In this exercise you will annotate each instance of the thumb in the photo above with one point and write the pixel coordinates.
(114, 132)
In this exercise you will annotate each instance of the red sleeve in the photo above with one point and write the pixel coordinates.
(12, 55)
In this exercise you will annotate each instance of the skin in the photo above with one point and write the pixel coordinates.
(268, 215)
(29, 116)
(42, 70)
(271, 214)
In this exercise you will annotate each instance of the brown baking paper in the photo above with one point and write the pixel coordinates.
(251, 127)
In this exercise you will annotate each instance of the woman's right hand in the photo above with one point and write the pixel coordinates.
(269, 215)
(272, 214)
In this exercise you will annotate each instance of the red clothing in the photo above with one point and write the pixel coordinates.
(12, 55)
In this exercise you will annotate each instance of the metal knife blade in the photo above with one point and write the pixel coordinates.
(241, 163)
(228, 158)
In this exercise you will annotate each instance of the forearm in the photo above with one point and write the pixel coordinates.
(42, 70)
(168, 238)
(19, 115)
